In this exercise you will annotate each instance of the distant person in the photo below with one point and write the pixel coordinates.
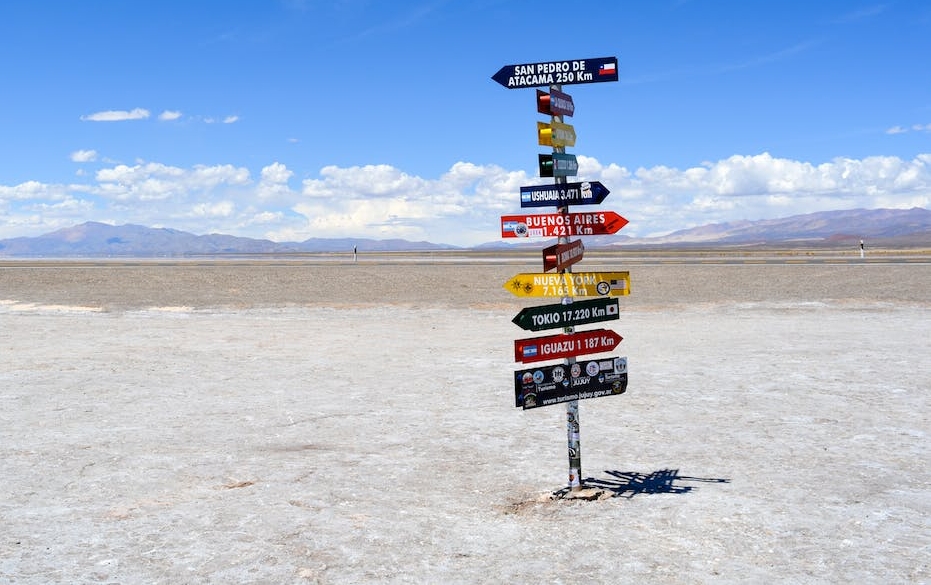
(861, 248)
(355, 252)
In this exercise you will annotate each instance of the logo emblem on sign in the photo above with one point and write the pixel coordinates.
(559, 375)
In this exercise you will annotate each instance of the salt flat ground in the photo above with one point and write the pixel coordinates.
(354, 423)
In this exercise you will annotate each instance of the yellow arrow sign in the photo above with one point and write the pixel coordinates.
(555, 134)
(570, 284)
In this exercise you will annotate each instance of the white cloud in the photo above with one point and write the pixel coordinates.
(82, 156)
(462, 206)
(276, 173)
(215, 209)
(168, 115)
(117, 115)
(273, 183)
(763, 187)
(33, 191)
(154, 181)
(369, 181)
(264, 218)
(912, 128)
(232, 119)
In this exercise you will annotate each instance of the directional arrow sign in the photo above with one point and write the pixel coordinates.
(558, 164)
(554, 347)
(559, 315)
(555, 103)
(561, 256)
(555, 134)
(578, 71)
(585, 193)
(570, 284)
(546, 385)
(550, 225)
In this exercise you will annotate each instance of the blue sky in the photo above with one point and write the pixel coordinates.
(293, 119)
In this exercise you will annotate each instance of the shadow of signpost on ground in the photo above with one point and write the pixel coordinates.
(628, 484)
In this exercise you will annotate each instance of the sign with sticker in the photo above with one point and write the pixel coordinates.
(548, 385)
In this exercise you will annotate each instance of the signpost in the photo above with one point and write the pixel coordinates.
(567, 316)
(548, 385)
(552, 347)
(569, 382)
(569, 284)
(585, 193)
(562, 256)
(554, 225)
(578, 71)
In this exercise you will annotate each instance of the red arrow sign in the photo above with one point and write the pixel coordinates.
(562, 256)
(556, 225)
(566, 345)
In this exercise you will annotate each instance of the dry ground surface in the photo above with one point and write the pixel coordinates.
(337, 422)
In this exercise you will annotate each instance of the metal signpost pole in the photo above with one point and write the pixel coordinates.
(572, 407)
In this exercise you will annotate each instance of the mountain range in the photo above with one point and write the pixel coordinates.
(94, 239)
(879, 227)
(889, 227)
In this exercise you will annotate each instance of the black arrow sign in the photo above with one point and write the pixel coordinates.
(576, 313)
(548, 385)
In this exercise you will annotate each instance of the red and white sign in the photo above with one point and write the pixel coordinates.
(560, 256)
(556, 225)
(566, 345)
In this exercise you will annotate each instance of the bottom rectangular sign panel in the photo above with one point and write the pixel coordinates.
(549, 385)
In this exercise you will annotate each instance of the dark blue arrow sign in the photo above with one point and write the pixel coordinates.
(585, 193)
(558, 73)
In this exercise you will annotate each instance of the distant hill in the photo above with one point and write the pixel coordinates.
(93, 239)
(877, 227)
(826, 226)
(889, 227)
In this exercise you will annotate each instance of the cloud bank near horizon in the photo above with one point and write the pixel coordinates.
(461, 207)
